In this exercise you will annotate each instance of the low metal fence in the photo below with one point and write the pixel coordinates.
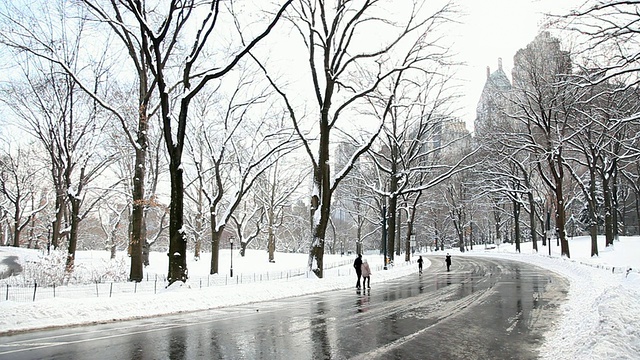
(152, 284)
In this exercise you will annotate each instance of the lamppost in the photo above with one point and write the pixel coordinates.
(231, 242)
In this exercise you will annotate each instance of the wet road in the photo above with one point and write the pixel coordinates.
(482, 309)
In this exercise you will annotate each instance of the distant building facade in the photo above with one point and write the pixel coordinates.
(490, 112)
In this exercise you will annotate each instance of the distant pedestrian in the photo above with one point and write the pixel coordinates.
(357, 264)
(366, 274)
(448, 261)
(420, 261)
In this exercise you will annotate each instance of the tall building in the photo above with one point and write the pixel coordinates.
(493, 101)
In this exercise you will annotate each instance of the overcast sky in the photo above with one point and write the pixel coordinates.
(495, 29)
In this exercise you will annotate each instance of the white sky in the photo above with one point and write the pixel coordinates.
(493, 29)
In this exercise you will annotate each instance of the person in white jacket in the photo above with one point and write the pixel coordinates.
(366, 274)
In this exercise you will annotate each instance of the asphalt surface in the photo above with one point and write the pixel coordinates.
(482, 309)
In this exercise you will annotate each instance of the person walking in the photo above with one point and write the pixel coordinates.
(420, 261)
(366, 274)
(357, 264)
(448, 261)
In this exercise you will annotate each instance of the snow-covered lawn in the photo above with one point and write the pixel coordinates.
(599, 320)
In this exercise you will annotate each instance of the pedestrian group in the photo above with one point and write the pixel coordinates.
(362, 271)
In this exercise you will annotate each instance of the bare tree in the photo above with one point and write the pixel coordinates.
(422, 145)
(543, 100)
(607, 34)
(231, 153)
(161, 30)
(111, 217)
(247, 225)
(41, 43)
(273, 192)
(345, 67)
(18, 176)
(69, 126)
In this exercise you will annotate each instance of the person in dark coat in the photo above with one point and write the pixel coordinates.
(357, 264)
(420, 261)
(448, 261)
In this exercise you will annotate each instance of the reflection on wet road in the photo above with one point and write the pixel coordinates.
(482, 309)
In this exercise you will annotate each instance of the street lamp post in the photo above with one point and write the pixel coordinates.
(231, 242)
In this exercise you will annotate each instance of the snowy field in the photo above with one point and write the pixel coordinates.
(599, 320)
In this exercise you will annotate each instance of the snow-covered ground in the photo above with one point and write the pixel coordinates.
(599, 320)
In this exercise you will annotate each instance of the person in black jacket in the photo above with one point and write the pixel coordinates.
(358, 265)
(448, 261)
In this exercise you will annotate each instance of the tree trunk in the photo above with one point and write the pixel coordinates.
(145, 253)
(411, 215)
(137, 214)
(16, 224)
(199, 226)
(407, 248)
(321, 200)
(56, 225)
(359, 247)
(561, 218)
(516, 219)
(556, 165)
(73, 233)
(321, 181)
(391, 224)
(177, 242)
(460, 230)
(215, 242)
(593, 216)
(614, 202)
(608, 210)
(271, 246)
(471, 241)
(532, 221)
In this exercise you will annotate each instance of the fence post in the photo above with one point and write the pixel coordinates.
(111, 289)
(97, 294)
(35, 286)
(155, 286)
(7, 297)
(54, 290)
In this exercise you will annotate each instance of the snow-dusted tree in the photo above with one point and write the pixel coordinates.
(247, 225)
(597, 150)
(175, 44)
(238, 138)
(356, 198)
(273, 192)
(352, 48)
(506, 169)
(293, 234)
(608, 34)
(70, 127)
(543, 102)
(131, 112)
(19, 174)
(112, 217)
(422, 144)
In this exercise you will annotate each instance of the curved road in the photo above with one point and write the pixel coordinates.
(482, 309)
